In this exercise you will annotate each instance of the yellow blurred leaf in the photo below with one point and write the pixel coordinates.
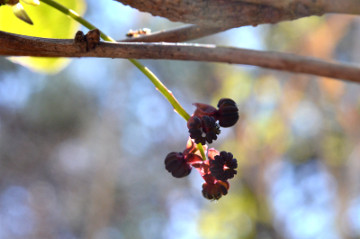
(236, 85)
(230, 218)
(48, 22)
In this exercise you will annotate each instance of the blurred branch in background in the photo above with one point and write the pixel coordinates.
(179, 34)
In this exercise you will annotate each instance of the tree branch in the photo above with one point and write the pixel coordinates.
(18, 45)
(235, 13)
(180, 34)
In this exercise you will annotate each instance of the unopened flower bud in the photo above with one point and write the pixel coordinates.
(227, 113)
(176, 165)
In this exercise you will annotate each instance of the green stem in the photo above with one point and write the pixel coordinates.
(158, 84)
(201, 149)
(162, 88)
(74, 15)
(152, 77)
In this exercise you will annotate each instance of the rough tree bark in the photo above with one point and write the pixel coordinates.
(236, 13)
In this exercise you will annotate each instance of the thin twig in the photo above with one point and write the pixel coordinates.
(18, 45)
(179, 34)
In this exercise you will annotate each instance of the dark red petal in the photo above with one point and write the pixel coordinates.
(193, 158)
(212, 153)
(190, 147)
(209, 178)
(204, 109)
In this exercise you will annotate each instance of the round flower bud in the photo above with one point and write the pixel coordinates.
(176, 165)
(227, 114)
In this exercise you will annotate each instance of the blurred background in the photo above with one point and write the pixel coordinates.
(82, 150)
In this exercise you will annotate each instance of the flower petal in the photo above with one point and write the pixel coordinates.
(204, 109)
(193, 158)
(212, 153)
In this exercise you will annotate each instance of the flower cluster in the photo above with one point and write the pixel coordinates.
(203, 126)
(218, 167)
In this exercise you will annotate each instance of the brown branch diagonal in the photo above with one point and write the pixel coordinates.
(179, 34)
(235, 13)
(18, 45)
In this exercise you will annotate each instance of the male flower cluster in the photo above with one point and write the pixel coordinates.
(218, 167)
(203, 126)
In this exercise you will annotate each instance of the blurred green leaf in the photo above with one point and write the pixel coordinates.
(236, 84)
(231, 217)
(48, 22)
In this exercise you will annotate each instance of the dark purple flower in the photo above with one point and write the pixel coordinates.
(176, 165)
(227, 114)
(214, 191)
(223, 166)
(203, 129)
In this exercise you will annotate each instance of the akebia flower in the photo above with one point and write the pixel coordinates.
(203, 129)
(195, 129)
(180, 164)
(214, 191)
(223, 166)
(227, 114)
(217, 167)
(204, 109)
(211, 128)
(176, 165)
